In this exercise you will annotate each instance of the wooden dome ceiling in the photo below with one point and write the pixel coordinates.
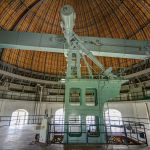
(129, 19)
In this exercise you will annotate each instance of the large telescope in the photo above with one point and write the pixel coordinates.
(68, 17)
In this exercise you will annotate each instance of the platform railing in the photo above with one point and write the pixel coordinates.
(21, 120)
(143, 65)
(38, 75)
(36, 119)
(11, 95)
(135, 97)
(129, 133)
(125, 130)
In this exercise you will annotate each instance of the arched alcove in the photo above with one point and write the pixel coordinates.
(19, 117)
(113, 120)
(59, 120)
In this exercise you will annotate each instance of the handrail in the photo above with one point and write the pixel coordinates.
(11, 95)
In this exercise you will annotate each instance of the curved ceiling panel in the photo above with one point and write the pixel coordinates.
(129, 19)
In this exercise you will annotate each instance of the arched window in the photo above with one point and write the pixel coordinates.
(19, 117)
(59, 120)
(113, 119)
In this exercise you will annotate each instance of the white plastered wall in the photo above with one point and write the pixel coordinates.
(134, 109)
(127, 109)
(7, 107)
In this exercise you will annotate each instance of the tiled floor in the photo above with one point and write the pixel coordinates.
(13, 138)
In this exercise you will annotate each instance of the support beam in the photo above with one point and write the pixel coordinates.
(137, 74)
(56, 43)
(29, 79)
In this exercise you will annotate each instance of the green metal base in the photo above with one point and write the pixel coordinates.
(78, 90)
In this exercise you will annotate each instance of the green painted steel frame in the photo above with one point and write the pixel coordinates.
(106, 89)
(109, 47)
